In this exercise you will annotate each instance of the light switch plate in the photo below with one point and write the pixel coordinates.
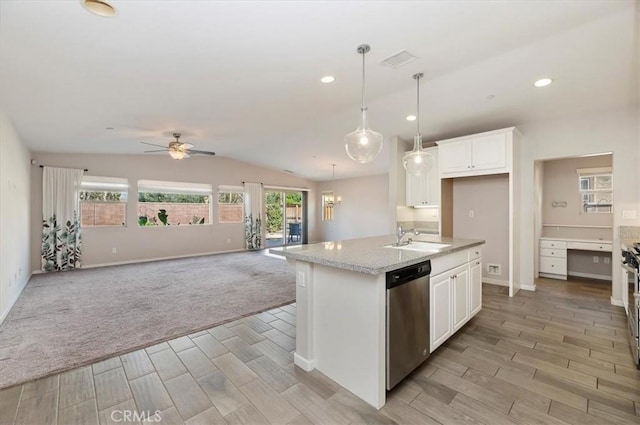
(302, 279)
(628, 214)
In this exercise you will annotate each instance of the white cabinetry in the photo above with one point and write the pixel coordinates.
(455, 295)
(475, 286)
(553, 259)
(440, 309)
(553, 255)
(485, 153)
(424, 190)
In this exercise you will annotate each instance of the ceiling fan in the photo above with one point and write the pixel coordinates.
(177, 149)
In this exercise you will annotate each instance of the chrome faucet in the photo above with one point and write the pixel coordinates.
(400, 234)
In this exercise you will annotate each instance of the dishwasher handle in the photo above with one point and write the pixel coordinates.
(407, 274)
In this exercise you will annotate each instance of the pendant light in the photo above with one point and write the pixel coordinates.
(418, 161)
(364, 144)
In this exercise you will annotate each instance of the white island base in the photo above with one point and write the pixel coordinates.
(341, 328)
(341, 304)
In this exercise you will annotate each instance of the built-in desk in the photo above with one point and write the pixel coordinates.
(553, 254)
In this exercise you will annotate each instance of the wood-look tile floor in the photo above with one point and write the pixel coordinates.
(559, 355)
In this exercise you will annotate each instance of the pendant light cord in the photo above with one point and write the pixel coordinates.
(418, 104)
(363, 108)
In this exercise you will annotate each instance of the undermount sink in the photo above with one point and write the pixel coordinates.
(419, 246)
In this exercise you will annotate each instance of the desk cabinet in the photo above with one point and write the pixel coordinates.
(553, 255)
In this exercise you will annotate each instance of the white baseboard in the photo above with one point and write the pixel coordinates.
(553, 276)
(13, 302)
(590, 275)
(528, 287)
(304, 364)
(148, 260)
(495, 281)
(616, 302)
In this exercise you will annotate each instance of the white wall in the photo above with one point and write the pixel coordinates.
(610, 131)
(135, 243)
(364, 210)
(560, 184)
(15, 207)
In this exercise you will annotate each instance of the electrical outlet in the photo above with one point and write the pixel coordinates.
(228, 240)
(494, 269)
(114, 250)
(302, 281)
(471, 213)
(607, 260)
(628, 214)
(596, 259)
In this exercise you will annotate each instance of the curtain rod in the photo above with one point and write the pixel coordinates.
(42, 166)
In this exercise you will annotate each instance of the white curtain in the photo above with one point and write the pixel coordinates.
(61, 242)
(253, 229)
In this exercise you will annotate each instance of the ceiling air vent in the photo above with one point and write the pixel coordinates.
(399, 59)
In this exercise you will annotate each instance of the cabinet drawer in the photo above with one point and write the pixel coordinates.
(590, 246)
(553, 265)
(553, 244)
(475, 252)
(552, 252)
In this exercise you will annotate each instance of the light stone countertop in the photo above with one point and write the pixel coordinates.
(368, 255)
(551, 238)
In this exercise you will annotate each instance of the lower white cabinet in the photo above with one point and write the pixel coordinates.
(475, 285)
(460, 287)
(455, 296)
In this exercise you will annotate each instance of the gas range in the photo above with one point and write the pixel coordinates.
(631, 269)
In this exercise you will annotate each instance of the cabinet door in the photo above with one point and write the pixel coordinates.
(440, 310)
(460, 288)
(475, 287)
(489, 152)
(414, 190)
(432, 181)
(455, 157)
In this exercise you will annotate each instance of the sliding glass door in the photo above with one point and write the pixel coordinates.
(284, 216)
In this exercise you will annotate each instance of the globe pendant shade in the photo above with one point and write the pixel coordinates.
(418, 161)
(363, 145)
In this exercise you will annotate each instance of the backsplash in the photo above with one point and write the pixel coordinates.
(631, 233)
(422, 226)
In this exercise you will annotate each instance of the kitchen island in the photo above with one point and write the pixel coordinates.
(341, 303)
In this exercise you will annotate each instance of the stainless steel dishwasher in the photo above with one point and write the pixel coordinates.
(407, 320)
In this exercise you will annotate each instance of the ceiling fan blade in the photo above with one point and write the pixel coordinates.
(159, 150)
(197, 152)
(153, 144)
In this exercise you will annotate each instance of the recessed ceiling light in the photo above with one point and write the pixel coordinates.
(328, 79)
(411, 118)
(99, 7)
(543, 82)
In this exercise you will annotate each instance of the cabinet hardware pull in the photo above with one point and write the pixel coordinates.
(477, 262)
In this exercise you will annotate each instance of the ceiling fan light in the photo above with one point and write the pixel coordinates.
(100, 8)
(176, 154)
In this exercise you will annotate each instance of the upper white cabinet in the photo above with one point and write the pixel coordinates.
(424, 190)
(484, 153)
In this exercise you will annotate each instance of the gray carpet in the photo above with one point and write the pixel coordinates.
(68, 319)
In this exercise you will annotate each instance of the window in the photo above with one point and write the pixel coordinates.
(596, 189)
(103, 201)
(173, 203)
(327, 206)
(230, 204)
